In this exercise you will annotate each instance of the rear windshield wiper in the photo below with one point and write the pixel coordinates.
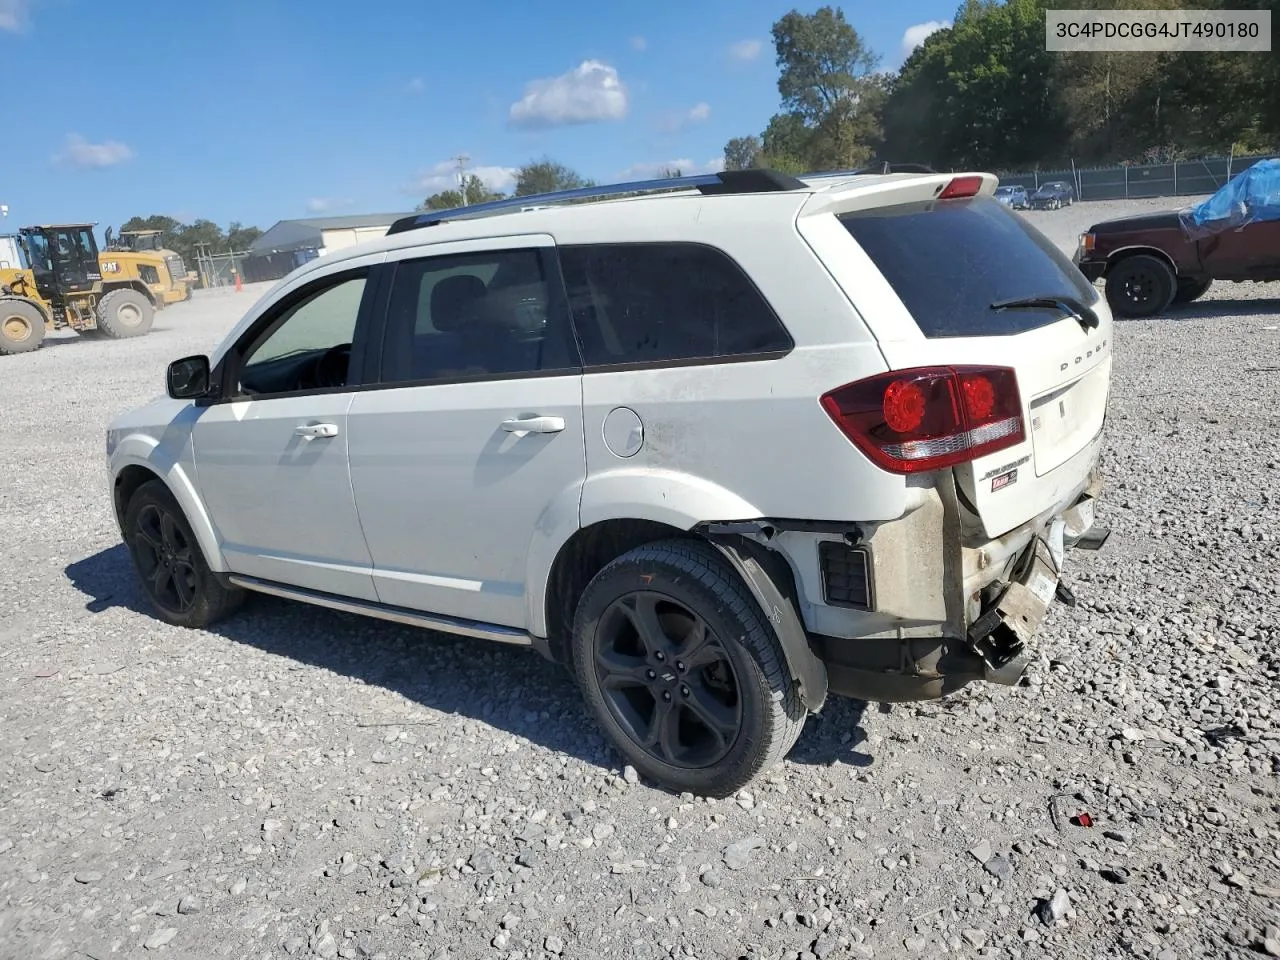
(1069, 306)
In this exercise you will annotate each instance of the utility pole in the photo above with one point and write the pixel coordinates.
(462, 159)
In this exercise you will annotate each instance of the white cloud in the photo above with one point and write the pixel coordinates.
(323, 204)
(675, 122)
(917, 33)
(444, 176)
(416, 85)
(14, 15)
(79, 152)
(746, 49)
(589, 93)
(687, 168)
(639, 43)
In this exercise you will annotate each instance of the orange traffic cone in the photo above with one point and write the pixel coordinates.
(239, 285)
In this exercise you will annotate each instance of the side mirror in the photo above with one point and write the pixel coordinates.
(188, 378)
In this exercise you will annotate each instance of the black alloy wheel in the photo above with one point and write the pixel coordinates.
(667, 680)
(164, 557)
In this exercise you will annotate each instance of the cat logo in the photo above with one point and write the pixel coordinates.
(110, 266)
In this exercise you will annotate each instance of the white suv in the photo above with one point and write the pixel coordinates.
(721, 445)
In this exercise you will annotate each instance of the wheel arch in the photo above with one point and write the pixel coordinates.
(1124, 253)
(38, 304)
(767, 575)
(137, 460)
(131, 284)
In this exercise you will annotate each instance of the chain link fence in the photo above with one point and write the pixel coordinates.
(1184, 178)
(220, 269)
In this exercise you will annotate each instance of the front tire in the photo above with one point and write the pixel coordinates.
(679, 666)
(1140, 286)
(174, 573)
(125, 313)
(21, 326)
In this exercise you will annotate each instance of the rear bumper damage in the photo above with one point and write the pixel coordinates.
(998, 597)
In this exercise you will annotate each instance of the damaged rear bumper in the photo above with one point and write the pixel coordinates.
(1003, 634)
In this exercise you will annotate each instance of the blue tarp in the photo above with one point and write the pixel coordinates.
(1253, 194)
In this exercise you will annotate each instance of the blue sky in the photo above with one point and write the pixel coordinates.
(262, 110)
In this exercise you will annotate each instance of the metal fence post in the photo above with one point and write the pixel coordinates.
(1126, 181)
(1175, 178)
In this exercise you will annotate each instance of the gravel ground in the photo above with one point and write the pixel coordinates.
(302, 783)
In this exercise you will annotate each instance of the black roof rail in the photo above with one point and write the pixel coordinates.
(724, 182)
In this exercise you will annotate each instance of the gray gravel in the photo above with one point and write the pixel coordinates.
(306, 784)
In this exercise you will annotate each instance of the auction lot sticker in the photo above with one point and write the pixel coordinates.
(1103, 31)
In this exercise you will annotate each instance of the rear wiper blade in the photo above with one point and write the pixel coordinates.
(1071, 307)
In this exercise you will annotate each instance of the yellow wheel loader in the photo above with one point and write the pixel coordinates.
(62, 285)
(141, 255)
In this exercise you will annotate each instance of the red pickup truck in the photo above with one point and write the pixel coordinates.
(1152, 261)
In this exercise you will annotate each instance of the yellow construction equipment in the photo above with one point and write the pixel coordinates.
(62, 285)
(141, 255)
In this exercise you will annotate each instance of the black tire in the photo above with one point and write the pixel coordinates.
(167, 557)
(1140, 286)
(1191, 289)
(738, 683)
(125, 313)
(21, 326)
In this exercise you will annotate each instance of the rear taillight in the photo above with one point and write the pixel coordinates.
(929, 418)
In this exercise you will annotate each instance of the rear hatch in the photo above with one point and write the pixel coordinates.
(945, 268)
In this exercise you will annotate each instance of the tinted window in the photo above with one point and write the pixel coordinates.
(289, 357)
(475, 315)
(636, 303)
(950, 260)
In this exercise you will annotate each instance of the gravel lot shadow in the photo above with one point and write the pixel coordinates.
(511, 688)
(1213, 309)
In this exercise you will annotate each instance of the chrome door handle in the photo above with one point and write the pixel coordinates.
(317, 430)
(534, 425)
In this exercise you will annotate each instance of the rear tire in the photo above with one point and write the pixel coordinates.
(1191, 289)
(1140, 286)
(681, 669)
(125, 313)
(21, 326)
(167, 557)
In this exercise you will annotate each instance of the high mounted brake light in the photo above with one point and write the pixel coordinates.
(961, 187)
(930, 418)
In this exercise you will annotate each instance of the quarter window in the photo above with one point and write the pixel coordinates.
(654, 302)
(475, 315)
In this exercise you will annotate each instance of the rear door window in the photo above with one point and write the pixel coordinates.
(666, 303)
(949, 260)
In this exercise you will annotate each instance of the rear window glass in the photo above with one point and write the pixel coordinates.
(949, 260)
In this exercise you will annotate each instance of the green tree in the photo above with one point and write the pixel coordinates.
(822, 60)
(742, 153)
(477, 191)
(547, 176)
(240, 237)
(168, 226)
(831, 98)
(980, 94)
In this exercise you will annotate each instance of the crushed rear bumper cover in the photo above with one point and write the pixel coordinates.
(1002, 635)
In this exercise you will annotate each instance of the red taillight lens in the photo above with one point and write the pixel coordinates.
(961, 187)
(929, 418)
